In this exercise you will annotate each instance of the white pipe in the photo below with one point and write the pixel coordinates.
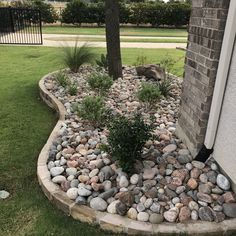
(222, 75)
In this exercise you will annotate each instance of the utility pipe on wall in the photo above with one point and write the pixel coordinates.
(222, 76)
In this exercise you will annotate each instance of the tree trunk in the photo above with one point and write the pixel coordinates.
(113, 38)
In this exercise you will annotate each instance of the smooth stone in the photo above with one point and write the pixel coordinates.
(4, 194)
(193, 206)
(203, 178)
(143, 216)
(149, 173)
(218, 208)
(189, 166)
(132, 213)
(127, 198)
(230, 209)
(51, 164)
(93, 173)
(175, 200)
(194, 215)
(198, 164)
(204, 188)
(169, 148)
(121, 208)
(206, 214)
(107, 194)
(58, 179)
(134, 179)
(192, 183)
(140, 207)
(204, 197)
(71, 171)
(171, 215)
(83, 178)
(223, 182)
(155, 207)
(219, 216)
(54, 171)
(112, 207)
(183, 159)
(180, 189)
(156, 218)
(72, 193)
(148, 203)
(108, 172)
(107, 185)
(123, 182)
(184, 214)
(98, 204)
(74, 183)
(82, 191)
(81, 200)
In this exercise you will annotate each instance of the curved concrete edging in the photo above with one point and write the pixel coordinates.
(107, 221)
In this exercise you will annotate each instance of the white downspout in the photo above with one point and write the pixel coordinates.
(222, 76)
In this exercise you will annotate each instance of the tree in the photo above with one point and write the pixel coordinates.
(113, 38)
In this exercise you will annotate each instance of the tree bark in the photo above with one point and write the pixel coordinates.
(113, 38)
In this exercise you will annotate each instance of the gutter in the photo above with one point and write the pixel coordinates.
(222, 76)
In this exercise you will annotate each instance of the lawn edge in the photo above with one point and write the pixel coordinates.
(107, 221)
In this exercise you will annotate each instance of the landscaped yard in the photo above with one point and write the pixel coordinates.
(26, 123)
(125, 31)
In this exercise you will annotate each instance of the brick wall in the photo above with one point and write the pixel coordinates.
(206, 31)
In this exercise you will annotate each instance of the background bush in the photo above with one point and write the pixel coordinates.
(157, 14)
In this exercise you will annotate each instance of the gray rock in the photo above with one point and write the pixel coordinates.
(169, 148)
(94, 172)
(112, 207)
(108, 172)
(121, 208)
(54, 171)
(198, 164)
(171, 215)
(107, 194)
(4, 194)
(206, 214)
(155, 207)
(98, 204)
(82, 191)
(156, 218)
(149, 173)
(123, 183)
(140, 207)
(204, 188)
(74, 183)
(223, 182)
(134, 179)
(194, 215)
(71, 171)
(230, 209)
(81, 200)
(132, 213)
(183, 159)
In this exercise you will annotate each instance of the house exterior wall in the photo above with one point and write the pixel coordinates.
(225, 143)
(206, 31)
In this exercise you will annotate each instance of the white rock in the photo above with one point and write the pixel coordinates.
(148, 203)
(56, 170)
(194, 215)
(112, 207)
(59, 179)
(4, 194)
(71, 171)
(93, 173)
(107, 185)
(123, 182)
(72, 193)
(143, 216)
(134, 179)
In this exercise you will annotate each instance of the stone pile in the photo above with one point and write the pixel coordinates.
(166, 185)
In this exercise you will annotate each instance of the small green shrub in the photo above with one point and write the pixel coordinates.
(100, 83)
(75, 57)
(62, 79)
(103, 62)
(149, 94)
(126, 140)
(92, 109)
(140, 60)
(72, 89)
(165, 87)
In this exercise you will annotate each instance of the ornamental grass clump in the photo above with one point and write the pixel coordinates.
(126, 140)
(92, 109)
(72, 89)
(103, 62)
(165, 87)
(149, 94)
(62, 79)
(75, 57)
(100, 83)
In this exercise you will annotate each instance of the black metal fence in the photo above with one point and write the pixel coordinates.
(20, 26)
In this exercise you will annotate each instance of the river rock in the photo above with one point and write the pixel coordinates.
(127, 198)
(223, 182)
(121, 208)
(54, 171)
(134, 179)
(156, 218)
(132, 213)
(230, 209)
(108, 172)
(149, 173)
(123, 182)
(184, 214)
(206, 214)
(58, 179)
(4, 194)
(169, 148)
(112, 207)
(82, 191)
(143, 216)
(98, 204)
(171, 215)
(72, 193)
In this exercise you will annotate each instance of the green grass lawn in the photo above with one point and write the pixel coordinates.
(135, 40)
(125, 31)
(26, 123)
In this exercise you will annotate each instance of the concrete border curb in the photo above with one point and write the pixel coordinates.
(107, 221)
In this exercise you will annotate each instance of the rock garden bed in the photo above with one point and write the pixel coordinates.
(165, 184)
